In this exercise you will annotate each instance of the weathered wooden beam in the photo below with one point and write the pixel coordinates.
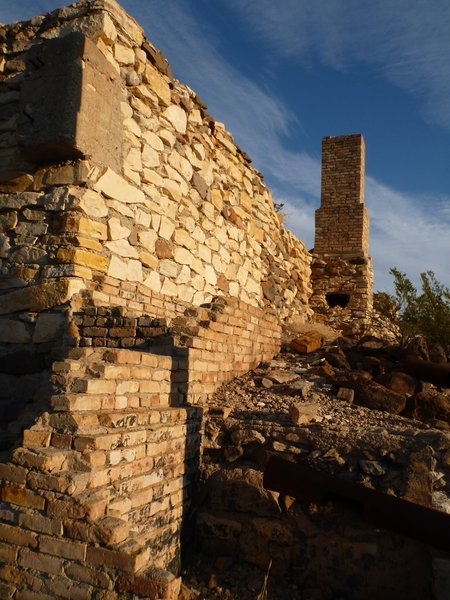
(381, 510)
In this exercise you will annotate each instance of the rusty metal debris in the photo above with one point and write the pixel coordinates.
(439, 374)
(381, 510)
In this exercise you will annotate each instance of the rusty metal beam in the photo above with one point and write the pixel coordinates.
(381, 510)
(439, 374)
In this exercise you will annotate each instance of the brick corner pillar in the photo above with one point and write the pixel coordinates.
(342, 272)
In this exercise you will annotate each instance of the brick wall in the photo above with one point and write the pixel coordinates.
(341, 263)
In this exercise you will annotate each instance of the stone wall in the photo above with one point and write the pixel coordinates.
(342, 276)
(142, 265)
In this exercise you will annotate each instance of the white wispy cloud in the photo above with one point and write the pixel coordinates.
(406, 40)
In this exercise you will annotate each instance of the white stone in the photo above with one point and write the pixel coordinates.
(133, 160)
(168, 137)
(93, 204)
(180, 164)
(150, 176)
(198, 282)
(117, 268)
(150, 158)
(143, 218)
(168, 268)
(122, 248)
(134, 271)
(147, 239)
(132, 126)
(208, 174)
(116, 231)
(166, 228)
(123, 209)
(182, 256)
(169, 288)
(173, 189)
(124, 55)
(114, 186)
(177, 117)
(184, 275)
(153, 140)
(158, 84)
(153, 281)
(210, 275)
(186, 293)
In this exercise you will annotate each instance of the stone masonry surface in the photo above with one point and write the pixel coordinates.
(142, 265)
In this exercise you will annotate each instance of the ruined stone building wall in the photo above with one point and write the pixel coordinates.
(342, 276)
(142, 264)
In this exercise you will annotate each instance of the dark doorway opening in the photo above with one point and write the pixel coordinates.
(335, 299)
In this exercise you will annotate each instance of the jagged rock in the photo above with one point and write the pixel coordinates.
(402, 383)
(346, 394)
(301, 413)
(279, 376)
(373, 395)
(244, 437)
(429, 405)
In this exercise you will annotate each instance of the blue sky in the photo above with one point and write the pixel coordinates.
(281, 75)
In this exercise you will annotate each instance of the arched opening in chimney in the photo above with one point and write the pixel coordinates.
(334, 299)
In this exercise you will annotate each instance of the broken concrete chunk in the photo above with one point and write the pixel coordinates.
(307, 343)
(302, 413)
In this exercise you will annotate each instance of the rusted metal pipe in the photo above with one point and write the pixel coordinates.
(381, 510)
(438, 374)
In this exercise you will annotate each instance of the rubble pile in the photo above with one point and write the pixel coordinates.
(345, 409)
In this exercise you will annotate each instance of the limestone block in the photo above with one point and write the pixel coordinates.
(168, 268)
(93, 204)
(151, 176)
(210, 275)
(154, 141)
(173, 189)
(132, 127)
(147, 239)
(48, 327)
(40, 297)
(180, 164)
(158, 84)
(166, 228)
(133, 160)
(177, 117)
(114, 186)
(169, 288)
(123, 209)
(13, 332)
(123, 248)
(124, 54)
(83, 258)
(134, 271)
(183, 238)
(216, 199)
(117, 268)
(167, 137)
(150, 157)
(148, 260)
(182, 256)
(153, 281)
(116, 231)
(185, 275)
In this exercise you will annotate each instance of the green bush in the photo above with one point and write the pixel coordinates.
(425, 312)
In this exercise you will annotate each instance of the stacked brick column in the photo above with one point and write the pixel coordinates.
(342, 275)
